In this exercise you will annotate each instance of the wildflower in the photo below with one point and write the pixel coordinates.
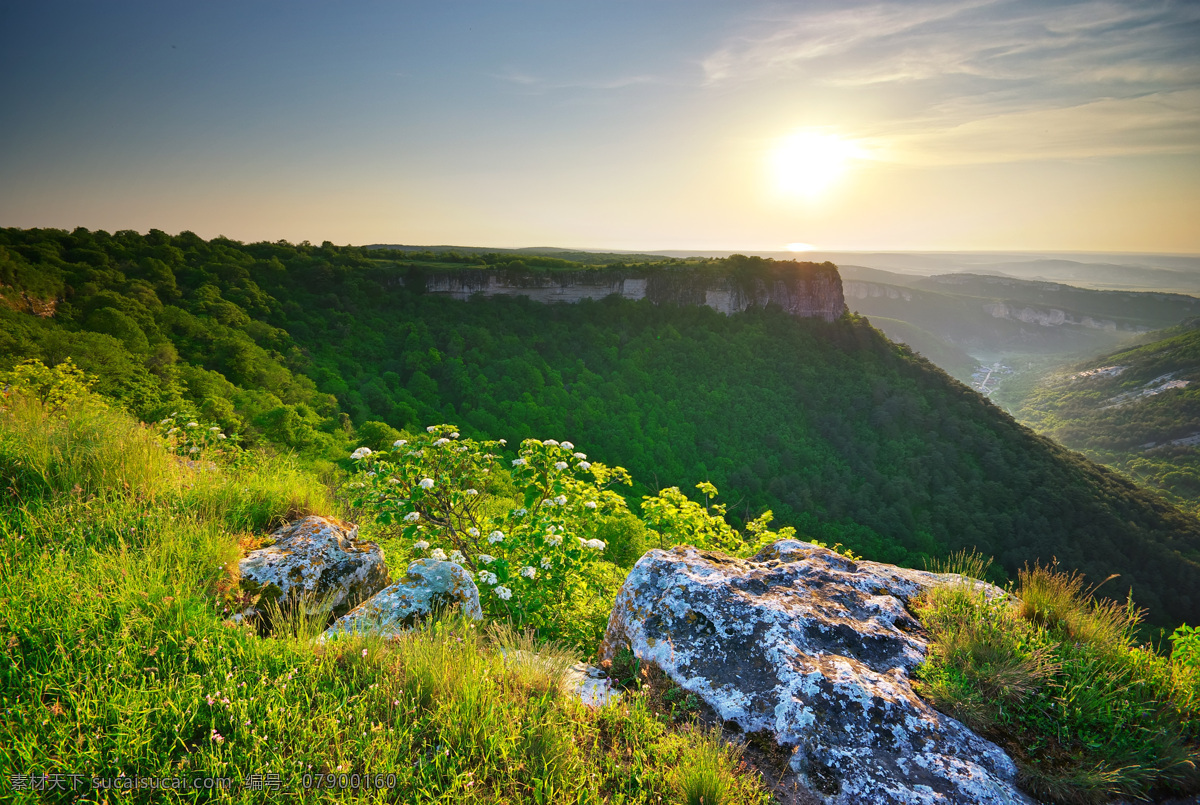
(471, 492)
(560, 465)
(165, 421)
(421, 545)
(393, 481)
(568, 446)
(371, 474)
(172, 430)
(441, 442)
(213, 429)
(220, 435)
(429, 429)
(486, 558)
(357, 485)
(412, 517)
(551, 443)
(487, 577)
(496, 536)
(364, 652)
(554, 541)
(529, 572)
(193, 424)
(517, 462)
(561, 500)
(454, 435)
(438, 554)
(457, 556)
(400, 443)
(504, 441)
(545, 563)
(585, 465)
(595, 544)
(217, 737)
(473, 531)
(520, 512)
(361, 452)
(504, 593)
(591, 504)
(580, 456)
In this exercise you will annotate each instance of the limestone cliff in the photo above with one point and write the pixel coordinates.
(802, 289)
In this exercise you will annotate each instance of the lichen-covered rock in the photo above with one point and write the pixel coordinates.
(430, 585)
(816, 649)
(317, 558)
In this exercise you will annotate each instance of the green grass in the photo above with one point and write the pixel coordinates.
(117, 658)
(1055, 678)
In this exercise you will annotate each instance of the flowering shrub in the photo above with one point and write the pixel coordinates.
(530, 553)
(187, 436)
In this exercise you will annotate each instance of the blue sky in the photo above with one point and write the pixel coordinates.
(649, 125)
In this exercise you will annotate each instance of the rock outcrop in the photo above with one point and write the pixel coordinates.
(428, 587)
(316, 559)
(817, 650)
(802, 289)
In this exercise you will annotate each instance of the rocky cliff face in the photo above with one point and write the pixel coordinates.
(802, 289)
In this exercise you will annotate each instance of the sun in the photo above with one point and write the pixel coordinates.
(807, 163)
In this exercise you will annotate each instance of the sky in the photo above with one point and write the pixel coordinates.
(648, 125)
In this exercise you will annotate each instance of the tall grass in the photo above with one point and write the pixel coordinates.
(1054, 676)
(117, 656)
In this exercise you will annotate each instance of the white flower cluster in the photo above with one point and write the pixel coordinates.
(594, 544)
(214, 429)
(426, 483)
(412, 517)
(473, 531)
(518, 462)
(591, 504)
(457, 556)
(454, 435)
(560, 465)
(496, 536)
(504, 593)
(438, 554)
(193, 424)
(529, 572)
(554, 540)
(441, 442)
(551, 442)
(421, 545)
(486, 558)
(400, 443)
(520, 512)
(585, 465)
(567, 446)
(581, 456)
(361, 452)
(471, 492)
(393, 481)
(431, 429)
(487, 577)
(545, 563)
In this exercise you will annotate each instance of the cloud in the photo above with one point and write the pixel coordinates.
(539, 85)
(991, 80)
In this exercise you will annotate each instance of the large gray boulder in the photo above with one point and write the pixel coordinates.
(315, 559)
(428, 586)
(817, 650)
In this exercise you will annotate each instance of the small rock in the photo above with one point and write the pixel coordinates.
(316, 558)
(817, 650)
(591, 685)
(428, 586)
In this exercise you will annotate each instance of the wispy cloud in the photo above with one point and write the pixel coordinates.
(536, 84)
(991, 80)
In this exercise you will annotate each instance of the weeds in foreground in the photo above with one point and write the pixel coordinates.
(117, 660)
(1053, 676)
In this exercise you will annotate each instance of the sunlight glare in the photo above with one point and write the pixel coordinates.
(800, 247)
(807, 163)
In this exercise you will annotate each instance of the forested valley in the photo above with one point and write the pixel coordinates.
(840, 432)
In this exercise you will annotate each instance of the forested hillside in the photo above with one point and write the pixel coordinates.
(1137, 410)
(840, 432)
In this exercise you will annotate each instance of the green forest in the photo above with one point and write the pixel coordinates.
(1138, 417)
(841, 433)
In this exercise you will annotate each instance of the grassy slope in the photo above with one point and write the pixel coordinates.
(1076, 411)
(115, 659)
